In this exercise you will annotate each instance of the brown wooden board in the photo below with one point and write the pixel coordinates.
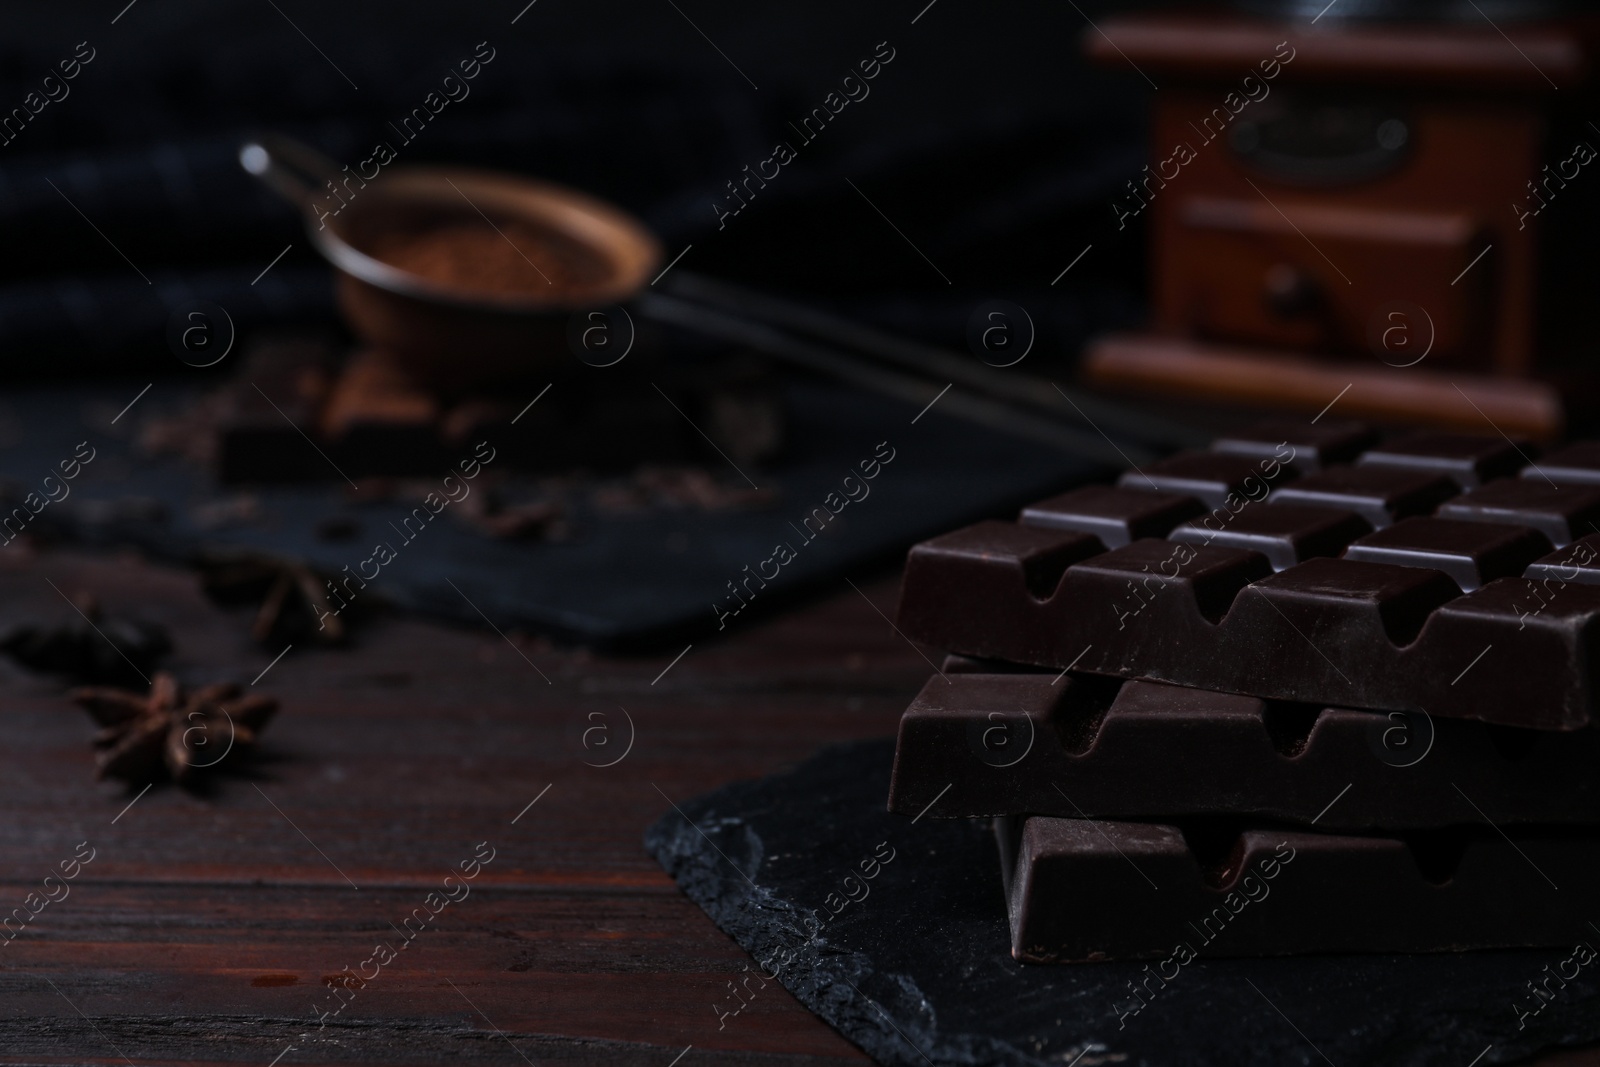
(206, 927)
(203, 930)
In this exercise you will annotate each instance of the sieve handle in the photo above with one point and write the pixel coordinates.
(292, 169)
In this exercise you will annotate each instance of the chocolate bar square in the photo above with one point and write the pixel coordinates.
(1471, 553)
(1313, 447)
(1561, 513)
(1115, 514)
(1081, 890)
(1575, 464)
(1212, 477)
(1381, 495)
(1286, 534)
(1469, 460)
(1577, 562)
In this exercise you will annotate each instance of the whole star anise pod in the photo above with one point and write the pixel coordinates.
(170, 732)
(292, 599)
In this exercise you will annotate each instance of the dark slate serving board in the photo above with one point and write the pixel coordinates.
(916, 968)
(623, 580)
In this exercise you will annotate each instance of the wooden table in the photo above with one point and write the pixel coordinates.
(214, 928)
(217, 928)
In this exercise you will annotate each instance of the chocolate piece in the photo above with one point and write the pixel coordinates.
(1471, 553)
(1036, 559)
(1205, 578)
(1577, 562)
(1210, 476)
(1286, 534)
(1328, 631)
(545, 439)
(1386, 627)
(930, 960)
(1469, 460)
(973, 745)
(1381, 495)
(1315, 447)
(574, 427)
(263, 419)
(1575, 464)
(1561, 514)
(973, 665)
(378, 422)
(1081, 890)
(1113, 513)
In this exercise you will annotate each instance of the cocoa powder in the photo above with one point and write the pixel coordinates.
(518, 259)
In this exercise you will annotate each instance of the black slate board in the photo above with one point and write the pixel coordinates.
(919, 971)
(624, 581)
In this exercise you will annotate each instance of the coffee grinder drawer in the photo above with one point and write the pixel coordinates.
(1329, 278)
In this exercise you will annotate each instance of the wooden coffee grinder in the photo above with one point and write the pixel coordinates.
(1395, 206)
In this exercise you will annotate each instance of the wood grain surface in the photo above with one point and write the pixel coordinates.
(208, 928)
(213, 928)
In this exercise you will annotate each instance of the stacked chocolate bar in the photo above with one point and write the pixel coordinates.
(1303, 692)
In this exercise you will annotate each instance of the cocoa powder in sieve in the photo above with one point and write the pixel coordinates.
(518, 259)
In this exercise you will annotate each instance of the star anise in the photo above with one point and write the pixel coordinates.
(170, 732)
(88, 644)
(293, 603)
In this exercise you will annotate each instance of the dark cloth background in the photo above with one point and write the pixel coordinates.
(988, 142)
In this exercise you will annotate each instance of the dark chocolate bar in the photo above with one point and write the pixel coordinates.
(976, 745)
(1471, 553)
(1469, 460)
(1115, 515)
(1315, 447)
(1381, 495)
(1578, 562)
(1561, 513)
(1576, 464)
(1085, 890)
(1327, 631)
(1210, 477)
(1378, 585)
(1286, 534)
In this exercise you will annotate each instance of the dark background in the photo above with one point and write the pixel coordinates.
(988, 141)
